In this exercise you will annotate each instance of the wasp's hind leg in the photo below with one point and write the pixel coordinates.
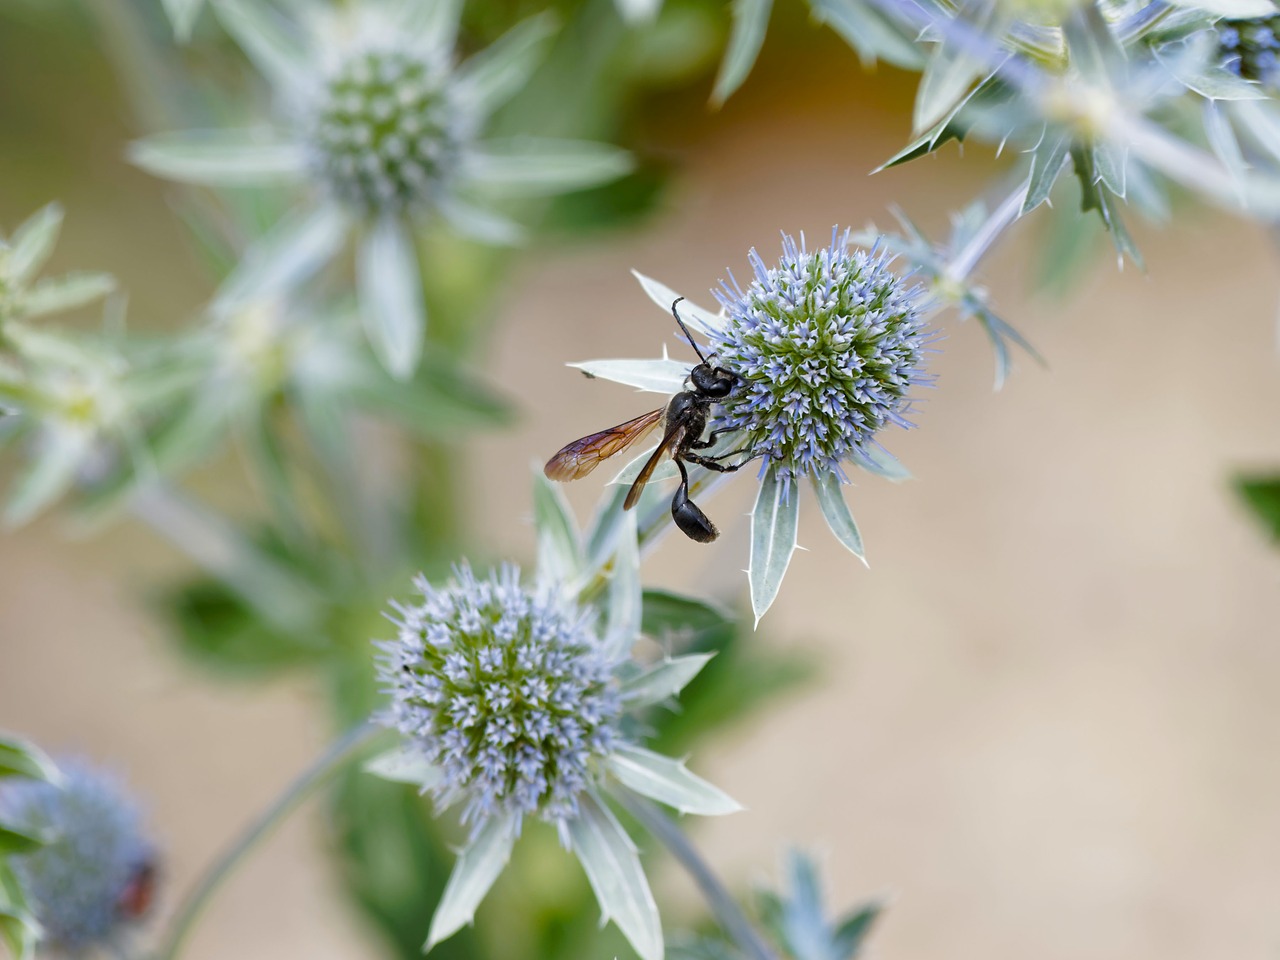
(693, 523)
(713, 463)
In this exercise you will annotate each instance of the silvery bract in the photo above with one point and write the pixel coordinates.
(513, 699)
(827, 345)
(23, 296)
(382, 131)
(89, 882)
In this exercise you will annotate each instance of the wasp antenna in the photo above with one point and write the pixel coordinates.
(692, 342)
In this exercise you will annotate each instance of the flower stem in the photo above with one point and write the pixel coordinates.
(730, 916)
(330, 763)
(1001, 218)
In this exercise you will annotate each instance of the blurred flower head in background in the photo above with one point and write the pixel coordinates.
(381, 128)
(92, 880)
(1250, 48)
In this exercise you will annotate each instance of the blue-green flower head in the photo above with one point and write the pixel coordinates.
(828, 345)
(389, 129)
(1251, 48)
(507, 692)
(92, 881)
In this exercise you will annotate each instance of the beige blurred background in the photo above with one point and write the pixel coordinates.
(1049, 719)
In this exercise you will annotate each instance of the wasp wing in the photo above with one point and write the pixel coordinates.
(637, 488)
(579, 458)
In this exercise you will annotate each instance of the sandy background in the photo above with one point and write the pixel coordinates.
(1050, 715)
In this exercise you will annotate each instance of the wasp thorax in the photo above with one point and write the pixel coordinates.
(387, 132)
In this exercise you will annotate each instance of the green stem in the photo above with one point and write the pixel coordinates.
(328, 765)
(727, 912)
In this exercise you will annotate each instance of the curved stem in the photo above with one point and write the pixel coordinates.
(727, 912)
(1001, 218)
(317, 775)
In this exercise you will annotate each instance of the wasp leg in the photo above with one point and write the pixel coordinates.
(711, 439)
(693, 523)
(713, 463)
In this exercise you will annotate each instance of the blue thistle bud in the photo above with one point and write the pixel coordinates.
(828, 345)
(506, 691)
(1249, 48)
(387, 132)
(93, 880)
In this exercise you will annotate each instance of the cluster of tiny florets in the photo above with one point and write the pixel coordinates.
(1250, 48)
(387, 130)
(827, 345)
(506, 692)
(85, 886)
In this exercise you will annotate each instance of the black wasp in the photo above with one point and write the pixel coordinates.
(684, 418)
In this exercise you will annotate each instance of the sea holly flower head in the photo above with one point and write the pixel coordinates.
(515, 699)
(510, 692)
(1251, 48)
(381, 129)
(91, 880)
(827, 346)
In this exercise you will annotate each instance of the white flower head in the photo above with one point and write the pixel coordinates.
(381, 128)
(514, 700)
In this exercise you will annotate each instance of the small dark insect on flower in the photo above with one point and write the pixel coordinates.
(684, 419)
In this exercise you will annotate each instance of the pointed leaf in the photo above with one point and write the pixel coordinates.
(294, 250)
(404, 764)
(774, 524)
(18, 758)
(854, 929)
(638, 11)
(390, 287)
(537, 166)
(32, 243)
(220, 157)
(695, 316)
(19, 933)
(559, 546)
(496, 74)
(480, 224)
(433, 24)
(625, 593)
(665, 470)
(836, 512)
(54, 465)
(668, 781)
(613, 867)
(1046, 163)
(665, 680)
(269, 40)
(15, 841)
(868, 32)
(183, 14)
(66, 293)
(750, 21)
(478, 866)
(947, 81)
(882, 464)
(1222, 140)
(651, 376)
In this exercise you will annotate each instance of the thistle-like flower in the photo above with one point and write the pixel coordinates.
(381, 129)
(22, 295)
(92, 880)
(513, 701)
(1251, 48)
(827, 346)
